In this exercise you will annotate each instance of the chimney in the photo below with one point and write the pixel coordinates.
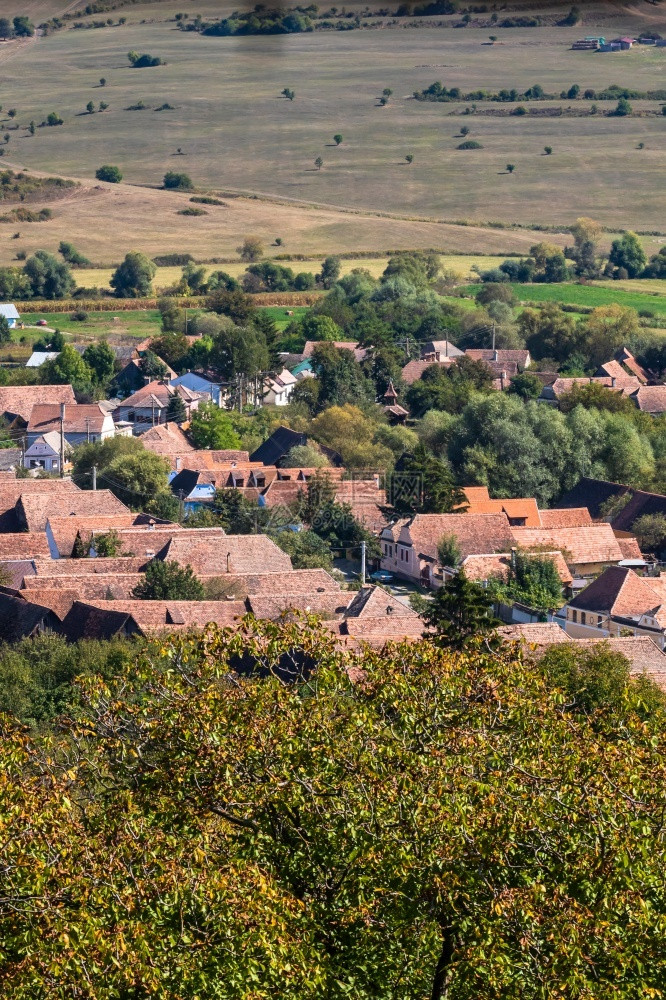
(502, 379)
(179, 462)
(495, 355)
(62, 440)
(612, 381)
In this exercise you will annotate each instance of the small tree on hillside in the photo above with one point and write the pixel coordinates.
(251, 249)
(90, 107)
(109, 173)
(289, 94)
(510, 167)
(177, 182)
(410, 158)
(319, 163)
(337, 139)
(168, 581)
(330, 271)
(623, 108)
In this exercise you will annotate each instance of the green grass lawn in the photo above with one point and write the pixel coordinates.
(138, 323)
(587, 295)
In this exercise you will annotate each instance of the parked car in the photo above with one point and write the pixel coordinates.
(41, 322)
(381, 576)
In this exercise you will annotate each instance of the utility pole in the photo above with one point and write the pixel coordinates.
(94, 477)
(62, 440)
(363, 564)
(88, 430)
(493, 336)
(181, 505)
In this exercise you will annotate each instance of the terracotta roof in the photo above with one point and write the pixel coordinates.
(626, 385)
(35, 510)
(626, 358)
(166, 439)
(442, 347)
(483, 567)
(24, 545)
(298, 581)
(154, 393)
(476, 494)
(516, 510)
(146, 542)
(520, 357)
(611, 369)
(282, 493)
(98, 587)
(618, 591)
(80, 418)
(650, 398)
(593, 543)
(89, 567)
(19, 618)
(16, 571)
(18, 400)
(329, 603)
(234, 554)
(643, 654)
(570, 517)
(342, 345)
(542, 633)
(58, 600)
(150, 615)
(593, 494)
(10, 491)
(85, 621)
(474, 533)
(374, 602)
(378, 631)
(414, 370)
(629, 548)
(65, 529)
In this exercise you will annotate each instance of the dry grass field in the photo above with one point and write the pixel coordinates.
(241, 140)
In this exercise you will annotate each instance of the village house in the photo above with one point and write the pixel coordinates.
(17, 401)
(149, 405)
(82, 423)
(44, 452)
(624, 384)
(9, 312)
(619, 602)
(439, 350)
(199, 383)
(278, 388)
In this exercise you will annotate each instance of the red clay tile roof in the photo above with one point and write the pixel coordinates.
(568, 517)
(145, 542)
(328, 604)
(35, 510)
(594, 543)
(541, 634)
(520, 509)
(162, 614)
(618, 591)
(650, 398)
(626, 385)
(166, 439)
(342, 345)
(24, 545)
(233, 554)
(483, 567)
(413, 370)
(611, 369)
(16, 571)
(65, 529)
(89, 567)
(58, 600)
(18, 400)
(79, 419)
(626, 358)
(298, 581)
(474, 533)
(520, 357)
(98, 587)
(374, 602)
(629, 548)
(476, 494)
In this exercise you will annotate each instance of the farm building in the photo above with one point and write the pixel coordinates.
(10, 313)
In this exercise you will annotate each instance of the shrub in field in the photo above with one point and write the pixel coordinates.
(109, 173)
(177, 182)
(470, 144)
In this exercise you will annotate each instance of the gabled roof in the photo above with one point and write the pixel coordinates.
(571, 517)
(51, 440)
(611, 369)
(24, 545)
(593, 543)
(626, 385)
(35, 510)
(91, 588)
(65, 529)
(281, 441)
(618, 591)
(650, 398)
(235, 554)
(58, 600)
(539, 633)
(37, 358)
(328, 603)
(17, 571)
(475, 494)
(484, 567)
(9, 310)
(19, 618)
(593, 494)
(519, 357)
(522, 509)
(166, 439)
(342, 345)
(85, 621)
(374, 602)
(414, 370)
(474, 533)
(81, 418)
(18, 400)
(159, 393)
(626, 358)
(12, 489)
(158, 615)
(442, 347)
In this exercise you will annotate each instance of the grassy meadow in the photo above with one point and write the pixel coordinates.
(238, 135)
(593, 295)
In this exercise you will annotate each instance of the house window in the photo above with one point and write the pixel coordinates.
(574, 616)
(582, 617)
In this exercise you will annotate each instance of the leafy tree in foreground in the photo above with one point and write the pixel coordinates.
(100, 359)
(68, 367)
(449, 828)
(168, 581)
